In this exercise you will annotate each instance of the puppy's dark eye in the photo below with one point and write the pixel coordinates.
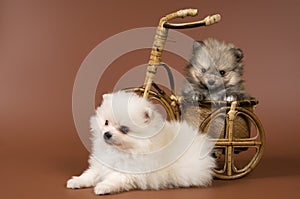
(203, 70)
(124, 129)
(106, 122)
(222, 72)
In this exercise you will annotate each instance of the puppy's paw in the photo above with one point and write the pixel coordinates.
(102, 188)
(195, 98)
(74, 183)
(231, 98)
(192, 99)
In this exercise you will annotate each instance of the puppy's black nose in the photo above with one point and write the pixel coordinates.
(211, 82)
(107, 135)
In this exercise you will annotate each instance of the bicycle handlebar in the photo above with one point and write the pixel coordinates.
(209, 20)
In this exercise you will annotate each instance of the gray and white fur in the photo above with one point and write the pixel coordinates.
(214, 73)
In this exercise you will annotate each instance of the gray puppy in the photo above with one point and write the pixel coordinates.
(214, 73)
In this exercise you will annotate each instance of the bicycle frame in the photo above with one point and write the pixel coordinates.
(161, 37)
(232, 110)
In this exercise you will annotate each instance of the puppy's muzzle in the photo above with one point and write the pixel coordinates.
(107, 135)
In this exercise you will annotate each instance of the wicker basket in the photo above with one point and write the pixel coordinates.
(198, 115)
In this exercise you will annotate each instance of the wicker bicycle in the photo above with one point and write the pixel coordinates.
(235, 120)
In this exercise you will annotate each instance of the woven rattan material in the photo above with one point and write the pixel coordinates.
(195, 115)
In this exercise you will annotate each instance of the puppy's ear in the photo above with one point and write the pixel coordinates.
(198, 45)
(148, 113)
(238, 53)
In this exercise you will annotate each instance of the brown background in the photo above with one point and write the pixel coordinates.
(43, 43)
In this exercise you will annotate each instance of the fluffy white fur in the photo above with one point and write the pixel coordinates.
(135, 148)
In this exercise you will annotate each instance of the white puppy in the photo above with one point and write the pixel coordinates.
(133, 147)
